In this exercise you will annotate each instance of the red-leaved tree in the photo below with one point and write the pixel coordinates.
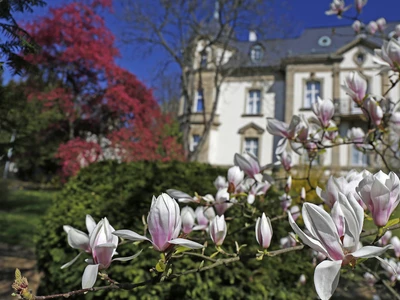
(107, 113)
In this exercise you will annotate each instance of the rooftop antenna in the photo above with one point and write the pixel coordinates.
(216, 10)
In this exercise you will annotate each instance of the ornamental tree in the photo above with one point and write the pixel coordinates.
(107, 112)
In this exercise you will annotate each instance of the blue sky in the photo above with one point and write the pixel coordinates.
(301, 13)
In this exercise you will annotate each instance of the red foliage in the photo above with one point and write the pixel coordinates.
(95, 96)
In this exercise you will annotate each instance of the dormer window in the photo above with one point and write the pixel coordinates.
(256, 53)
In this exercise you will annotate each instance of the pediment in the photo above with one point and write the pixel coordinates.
(251, 127)
(355, 43)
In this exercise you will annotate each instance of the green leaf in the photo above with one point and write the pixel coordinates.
(160, 266)
(392, 222)
(181, 249)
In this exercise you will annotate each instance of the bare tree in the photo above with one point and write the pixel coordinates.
(188, 30)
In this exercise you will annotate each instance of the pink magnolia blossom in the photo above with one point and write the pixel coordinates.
(375, 112)
(380, 192)
(235, 177)
(384, 240)
(100, 243)
(322, 236)
(203, 215)
(359, 4)
(356, 87)
(164, 224)
(388, 57)
(249, 164)
(264, 231)
(395, 241)
(218, 230)
(381, 23)
(324, 111)
(356, 26)
(372, 27)
(188, 217)
(286, 160)
(337, 7)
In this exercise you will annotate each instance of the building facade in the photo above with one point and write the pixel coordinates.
(279, 79)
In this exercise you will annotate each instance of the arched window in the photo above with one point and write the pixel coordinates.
(256, 53)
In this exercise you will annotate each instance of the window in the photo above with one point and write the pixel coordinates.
(203, 59)
(251, 146)
(199, 102)
(358, 158)
(256, 53)
(311, 93)
(195, 142)
(253, 106)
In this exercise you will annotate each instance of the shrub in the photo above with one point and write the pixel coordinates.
(122, 193)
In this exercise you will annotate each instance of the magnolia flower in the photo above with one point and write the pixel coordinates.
(302, 279)
(188, 217)
(203, 215)
(181, 196)
(388, 56)
(279, 128)
(395, 241)
(375, 112)
(220, 183)
(381, 23)
(287, 242)
(356, 135)
(285, 201)
(288, 185)
(286, 160)
(384, 240)
(218, 230)
(392, 268)
(356, 26)
(337, 8)
(380, 192)
(100, 243)
(264, 231)
(164, 224)
(303, 194)
(256, 189)
(235, 177)
(333, 187)
(323, 237)
(359, 4)
(369, 278)
(222, 201)
(295, 211)
(324, 110)
(249, 164)
(356, 87)
(372, 27)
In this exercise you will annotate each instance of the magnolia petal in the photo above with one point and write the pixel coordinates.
(128, 257)
(326, 278)
(67, 228)
(78, 239)
(322, 228)
(130, 235)
(186, 243)
(89, 261)
(90, 224)
(281, 146)
(180, 196)
(89, 276)
(200, 227)
(371, 251)
(309, 241)
(71, 262)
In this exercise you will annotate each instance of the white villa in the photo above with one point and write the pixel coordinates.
(280, 78)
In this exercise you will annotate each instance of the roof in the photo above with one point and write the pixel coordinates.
(313, 42)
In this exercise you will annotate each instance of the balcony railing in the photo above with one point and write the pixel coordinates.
(346, 107)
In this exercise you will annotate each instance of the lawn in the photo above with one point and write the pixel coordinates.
(20, 213)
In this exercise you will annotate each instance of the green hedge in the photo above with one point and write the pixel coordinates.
(122, 193)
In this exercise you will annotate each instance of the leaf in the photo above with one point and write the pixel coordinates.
(392, 222)
(181, 249)
(160, 266)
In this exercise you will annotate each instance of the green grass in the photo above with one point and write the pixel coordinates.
(20, 213)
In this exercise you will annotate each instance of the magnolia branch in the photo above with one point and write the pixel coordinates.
(160, 278)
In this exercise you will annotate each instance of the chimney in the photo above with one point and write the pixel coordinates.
(252, 36)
